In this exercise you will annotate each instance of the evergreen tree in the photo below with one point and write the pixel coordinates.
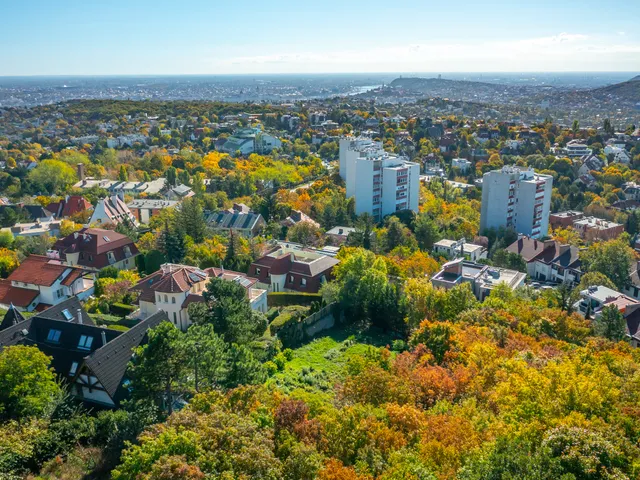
(191, 219)
(171, 176)
(123, 175)
(611, 324)
(171, 243)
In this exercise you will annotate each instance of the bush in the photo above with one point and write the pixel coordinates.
(108, 272)
(271, 368)
(122, 309)
(287, 315)
(271, 314)
(282, 299)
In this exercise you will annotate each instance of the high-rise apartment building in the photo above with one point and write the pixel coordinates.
(516, 198)
(382, 183)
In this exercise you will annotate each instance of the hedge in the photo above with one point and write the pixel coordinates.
(122, 309)
(290, 314)
(282, 299)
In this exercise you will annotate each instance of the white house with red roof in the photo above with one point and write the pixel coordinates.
(41, 282)
(174, 287)
(112, 210)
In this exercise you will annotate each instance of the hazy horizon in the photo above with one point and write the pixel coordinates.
(212, 38)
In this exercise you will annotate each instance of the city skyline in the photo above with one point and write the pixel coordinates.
(154, 38)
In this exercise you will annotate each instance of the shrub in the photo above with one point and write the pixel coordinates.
(270, 367)
(122, 309)
(282, 299)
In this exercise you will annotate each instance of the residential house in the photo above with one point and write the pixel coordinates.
(70, 206)
(297, 216)
(339, 235)
(40, 282)
(250, 140)
(589, 163)
(143, 209)
(92, 360)
(112, 211)
(179, 192)
(482, 278)
(246, 224)
(592, 229)
(461, 164)
(174, 287)
(95, 248)
(576, 148)
(548, 261)
(292, 268)
(564, 219)
(126, 188)
(595, 298)
(49, 226)
(459, 248)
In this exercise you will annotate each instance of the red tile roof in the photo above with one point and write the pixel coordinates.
(37, 270)
(20, 297)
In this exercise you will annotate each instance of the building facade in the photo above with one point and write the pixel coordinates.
(516, 198)
(380, 182)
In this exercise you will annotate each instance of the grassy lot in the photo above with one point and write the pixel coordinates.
(317, 366)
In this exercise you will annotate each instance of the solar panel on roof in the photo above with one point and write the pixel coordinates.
(194, 277)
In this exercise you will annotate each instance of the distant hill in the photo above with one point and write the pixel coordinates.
(628, 91)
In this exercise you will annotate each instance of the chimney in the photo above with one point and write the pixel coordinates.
(81, 171)
(104, 338)
(80, 316)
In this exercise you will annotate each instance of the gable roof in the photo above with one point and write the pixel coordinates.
(11, 318)
(109, 362)
(73, 306)
(171, 278)
(36, 270)
(21, 297)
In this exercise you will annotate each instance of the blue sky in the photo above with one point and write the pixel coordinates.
(92, 37)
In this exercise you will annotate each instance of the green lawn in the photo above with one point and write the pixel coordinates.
(318, 365)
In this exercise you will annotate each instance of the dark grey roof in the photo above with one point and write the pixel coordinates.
(12, 317)
(71, 305)
(109, 363)
(14, 334)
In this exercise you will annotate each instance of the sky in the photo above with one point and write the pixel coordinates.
(159, 37)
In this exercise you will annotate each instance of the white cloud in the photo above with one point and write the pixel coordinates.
(564, 51)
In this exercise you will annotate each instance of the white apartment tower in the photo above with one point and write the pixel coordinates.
(516, 198)
(382, 183)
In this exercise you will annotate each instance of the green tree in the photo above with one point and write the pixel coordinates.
(426, 231)
(611, 324)
(123, 175)
(208, 356)
(52, 176)
(171, 244)
(305, 233)
(243, 368)
(363, 234)
(191, 219)
(171, 176)
(159, 368)
(227, 308)
(28, 386)
(613, 259)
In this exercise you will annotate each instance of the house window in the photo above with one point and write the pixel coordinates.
(173, 299)
(74, 367)
(67, 315)
(159, 298)
(175, 318)
(303, 282)
(54, 336)
(166, 299)
(85, 342)
(91, 258)
(291, 279)
(257, 271)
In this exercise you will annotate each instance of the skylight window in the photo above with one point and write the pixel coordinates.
(106, 239)
(85, 342)
(53, 336)
(67, 315)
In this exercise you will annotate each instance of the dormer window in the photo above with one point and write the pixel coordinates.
(74, 367)
(85, 342)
